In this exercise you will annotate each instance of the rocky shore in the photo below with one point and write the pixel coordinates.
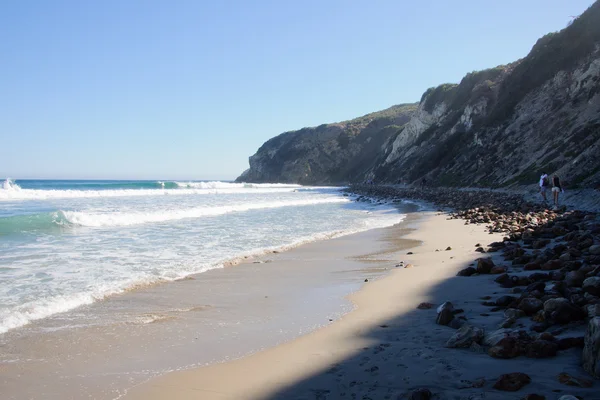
(549, 267)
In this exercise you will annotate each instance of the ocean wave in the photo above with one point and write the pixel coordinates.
(24, 314)
(62, 219)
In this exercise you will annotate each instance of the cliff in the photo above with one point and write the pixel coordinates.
(497, 127)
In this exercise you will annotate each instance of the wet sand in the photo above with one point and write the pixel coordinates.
(101, 350)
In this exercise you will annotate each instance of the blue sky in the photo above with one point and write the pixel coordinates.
(189, 89)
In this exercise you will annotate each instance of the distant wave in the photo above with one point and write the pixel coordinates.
(9, 190)
(61, 219)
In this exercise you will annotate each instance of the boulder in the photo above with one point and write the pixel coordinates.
(513, 313)
(507, 347)
(512, 382)
(569, 380)
(593, 310)
(592, 286)
(591, 348)
(552, 265)
(567, 312)
(541, 349)
(594, 250)
(466, 272)
(575, 278)
(504, 301)
(484, 265)
(531, 305)
(552, 304)
(425, 306)
(420, 394)
(465, 337)
(445, 313)
(570, 342)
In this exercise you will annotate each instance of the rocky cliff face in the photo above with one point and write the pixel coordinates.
(498, 127)
(330, 153)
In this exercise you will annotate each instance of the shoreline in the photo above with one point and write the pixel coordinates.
(194, 321)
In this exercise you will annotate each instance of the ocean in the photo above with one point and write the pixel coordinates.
(69, 243)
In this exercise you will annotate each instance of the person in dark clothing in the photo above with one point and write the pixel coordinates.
(556, 188)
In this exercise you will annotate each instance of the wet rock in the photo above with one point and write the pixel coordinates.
(467, 271)
(457, 323)
(465, 337)
(530, 305)
(512, 382)
(569, 380)
(539, 277)
(536, 286)
(532, 266)
(567, 312)
(592, 286)
(593, 310)
(591, 349)
(445, 313)
(507, 347)
(484, 265)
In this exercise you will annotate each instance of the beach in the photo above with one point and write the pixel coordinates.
(388, 348)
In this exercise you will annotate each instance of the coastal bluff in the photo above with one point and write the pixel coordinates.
(497, 128)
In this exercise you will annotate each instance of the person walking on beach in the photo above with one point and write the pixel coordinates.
(556, 189)
(544, 183)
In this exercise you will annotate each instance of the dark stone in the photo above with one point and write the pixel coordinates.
(467, 271)
(567, 343)
(530, 305)
(420, 394)
(534, 396)
(539, 286)
(445, 314)
(541, 349)
(591, 349)
(592, 286)
(552, 265)
(569, 380)
(574, 278)
(512, 382)
(504, 301)
(484, 265)
(507, 347)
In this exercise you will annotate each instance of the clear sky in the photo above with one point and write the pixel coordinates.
(190, 89)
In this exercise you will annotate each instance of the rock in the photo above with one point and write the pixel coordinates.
(567, 343)
(492, 338)
(467, 271)
(568, 397)
(448, 248)
(408, 266)
(484, 265)
(536, 286)
(420, 394)
(531, 305)
(465, 336)
(569, 380)
(567, 312)
(456, 323)
(513, 313)
(504, 301)
(592, 286)
(504, 280)
(541, 349)
(512, 382)
(594, 250)
(507, 323)
(507, 347)
(498, 269)
(593, 310)
(409, 253)
(445, 314)
(480, 250)
(534, 397)
(591, 349)
(532, 266)
(425, 306)
(552, 265)
(574, 278)
(553, 304)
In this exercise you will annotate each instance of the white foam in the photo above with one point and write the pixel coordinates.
(83, 218)
(45, 307)
(230, 185)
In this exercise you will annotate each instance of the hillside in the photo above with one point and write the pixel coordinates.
(496, 128)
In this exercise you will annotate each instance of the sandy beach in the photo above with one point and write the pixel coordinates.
(386, 347)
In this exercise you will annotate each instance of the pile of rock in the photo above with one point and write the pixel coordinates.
(552, 268)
